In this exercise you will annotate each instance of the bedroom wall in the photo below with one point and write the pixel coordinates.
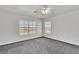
(9, 28)
(65, 27)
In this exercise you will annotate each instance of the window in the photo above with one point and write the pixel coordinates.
(22, 27)
(26, 30)
(30, 27)
(34, 27)
(47, 26)
(39, 27)
(27, 27)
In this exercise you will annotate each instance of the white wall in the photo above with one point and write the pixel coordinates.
(65, 27)
(9, 28)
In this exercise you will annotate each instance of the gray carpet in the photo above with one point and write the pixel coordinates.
(39, 46)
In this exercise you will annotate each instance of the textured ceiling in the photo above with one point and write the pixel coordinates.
(29, 9)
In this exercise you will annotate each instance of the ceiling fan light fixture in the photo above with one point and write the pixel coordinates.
(45, 11)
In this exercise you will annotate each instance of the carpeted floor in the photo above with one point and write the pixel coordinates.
(39, 46)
